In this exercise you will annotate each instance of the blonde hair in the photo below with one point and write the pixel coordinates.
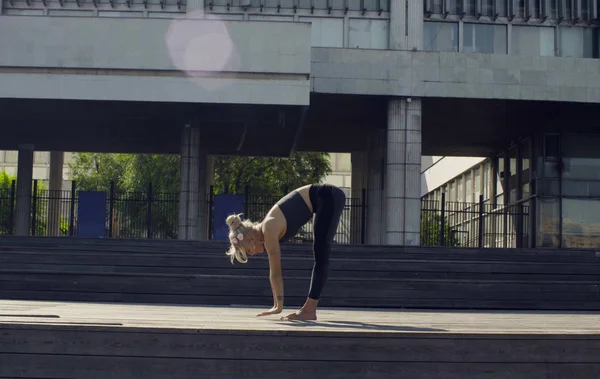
(238, 230)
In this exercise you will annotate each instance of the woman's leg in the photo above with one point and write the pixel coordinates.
(329, 208)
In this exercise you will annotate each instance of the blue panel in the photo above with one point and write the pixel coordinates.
(91, 214)
(226, 205)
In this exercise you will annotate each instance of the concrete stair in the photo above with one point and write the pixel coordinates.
(184, 272)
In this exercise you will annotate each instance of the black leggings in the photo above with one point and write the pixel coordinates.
(328, 203)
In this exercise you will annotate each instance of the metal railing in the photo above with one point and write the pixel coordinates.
(155, 215)
(474, 224)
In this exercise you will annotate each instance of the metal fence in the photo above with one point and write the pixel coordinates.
(474, 224)
(155, 215)
(152, 215)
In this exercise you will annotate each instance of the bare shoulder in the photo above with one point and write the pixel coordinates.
(273, 227)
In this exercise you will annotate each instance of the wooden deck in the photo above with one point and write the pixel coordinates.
(100, 340)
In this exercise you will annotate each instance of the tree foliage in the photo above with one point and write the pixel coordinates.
(431, 228)
(41, 220)
(266, 175)
(132, 173)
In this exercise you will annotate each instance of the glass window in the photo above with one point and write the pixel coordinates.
(452, 6)
(577, 42)
(581, 157)
(581, 223)
(469, 189)
(520, 11)
(326, 32)
(484, 38)
(434, 6)
(440, 36)
(548, 223)
(586, 11)
(512, 180)
(487, 7)
(354, 5)
(552, 9)
(477, 183)
(532, 41)
(470, 8)
(368, 34)
(486, 181)
(525, 156)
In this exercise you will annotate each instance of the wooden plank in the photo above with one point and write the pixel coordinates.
(183, 342)
(153, 368)
(301, 346)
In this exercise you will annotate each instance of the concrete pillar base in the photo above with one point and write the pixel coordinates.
(24, 189)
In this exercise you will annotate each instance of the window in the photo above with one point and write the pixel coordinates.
(578, 42)
(440, 36)
(581, 157)
(484, 38)
(326, 32)
(551, 147)
(525, 157)
(532, 41)
(470, 7)
(367, 34)
(452, 6)
(581, 223)
(548, 223)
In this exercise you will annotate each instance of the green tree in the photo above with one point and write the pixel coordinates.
(267, 175)
(431, 227)
(132, 173)
(41, 219)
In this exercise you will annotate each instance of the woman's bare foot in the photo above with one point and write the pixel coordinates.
(301, 315)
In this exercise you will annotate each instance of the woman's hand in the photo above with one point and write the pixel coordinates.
(272, 311)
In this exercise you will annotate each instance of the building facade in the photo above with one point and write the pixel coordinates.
(394, 83)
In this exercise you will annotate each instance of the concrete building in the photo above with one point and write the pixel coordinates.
(389, 82)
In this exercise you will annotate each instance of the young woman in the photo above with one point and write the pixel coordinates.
(283, 221)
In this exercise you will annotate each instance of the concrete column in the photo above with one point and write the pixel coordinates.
(210, 180)
(188, 183)
(195, 178)
(375, 187)
(403, 173)
(359, 171)
(57, 159)
(406, 25)
(204, 173)
(24, 188)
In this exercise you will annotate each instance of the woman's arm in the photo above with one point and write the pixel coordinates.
(275, 275)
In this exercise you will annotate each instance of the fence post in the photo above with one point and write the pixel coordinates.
(149, 215)
(111, 209)
(481, 223)
(11, 217)
(211, 221)
(34, 208)
(246, 200)
(72, 211)
(363, 216)
(443, 221)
